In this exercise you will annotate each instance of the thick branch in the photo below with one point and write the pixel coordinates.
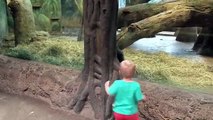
(135, 13)
(152, 25)
(138, 12)
(184, 14)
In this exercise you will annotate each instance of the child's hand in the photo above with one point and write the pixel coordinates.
(107, 87)
(107, 83)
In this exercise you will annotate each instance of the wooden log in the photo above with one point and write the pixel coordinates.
(183, 14)
(138, 12)
(135, 13)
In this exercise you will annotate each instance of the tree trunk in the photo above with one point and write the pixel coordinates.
(24, 24)
(204, 43)
(182, 14)
(3, 20)
(200, 39)
(187, 34)
(100, 56)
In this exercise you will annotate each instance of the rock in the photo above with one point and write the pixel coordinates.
(3, 20)
(24, 23)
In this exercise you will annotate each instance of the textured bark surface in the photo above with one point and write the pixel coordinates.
(100, 55)
(187, 34)
(178, 14)
(135, 13)
(204, 43)
(24, 24)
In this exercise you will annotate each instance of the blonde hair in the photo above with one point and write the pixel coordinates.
(127, 68)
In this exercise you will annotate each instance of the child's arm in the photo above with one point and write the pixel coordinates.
(107, 87)
(112, 89)
(139, 96)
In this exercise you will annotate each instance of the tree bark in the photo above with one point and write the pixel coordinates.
(187, 34)
(24, 24)
(135, 13)
(200, 39)
(204, 43)
(100, 56)
(182, 14)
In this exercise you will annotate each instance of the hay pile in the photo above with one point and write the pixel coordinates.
(58, 51)
(161, 67)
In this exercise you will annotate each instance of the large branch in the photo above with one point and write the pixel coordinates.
(192, 13)
(138, 12)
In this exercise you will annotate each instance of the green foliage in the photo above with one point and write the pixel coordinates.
(73, 8)
(20, 53)
(51, 8)
(79, 4)
(42, 21)
(56, 26)
(71, 14)
(52, 60)
(54, 51)
(68, 8)
(37, 2)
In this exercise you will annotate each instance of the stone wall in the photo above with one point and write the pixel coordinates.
(3, 20)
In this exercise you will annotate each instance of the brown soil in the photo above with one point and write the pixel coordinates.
(15, 107)
(50, 83)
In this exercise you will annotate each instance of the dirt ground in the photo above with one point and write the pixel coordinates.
(14, 107)
(50, 84)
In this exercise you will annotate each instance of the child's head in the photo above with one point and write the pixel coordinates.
(127, 69)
